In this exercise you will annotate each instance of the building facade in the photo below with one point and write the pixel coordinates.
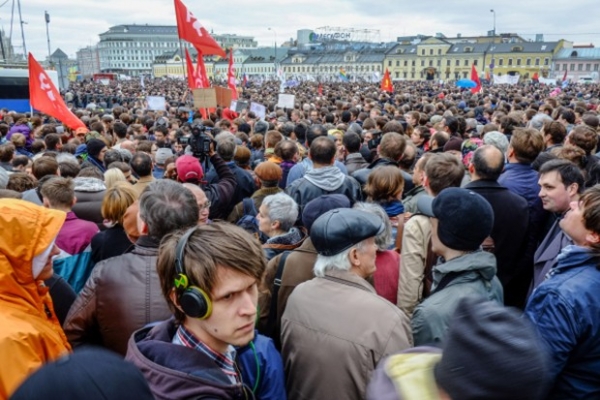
(88, 61)
(132, 49)
(577, 63)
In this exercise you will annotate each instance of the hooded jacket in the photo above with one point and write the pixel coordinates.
(478, 278)
(178, 372)
(30, 334)
(288, 241)
(320, 181)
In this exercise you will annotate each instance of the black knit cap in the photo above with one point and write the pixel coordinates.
(95, 146)
(90, 374)
(491, 352)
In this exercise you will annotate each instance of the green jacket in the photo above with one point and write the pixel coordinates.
(431, 317)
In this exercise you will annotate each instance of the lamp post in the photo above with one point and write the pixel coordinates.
(47, 17)
(494, 12)
(493, 44)
(275, 35)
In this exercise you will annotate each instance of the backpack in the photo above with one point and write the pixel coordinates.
(248, 222)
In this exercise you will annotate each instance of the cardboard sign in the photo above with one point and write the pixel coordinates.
(223, 96)
(286, 100)
(205, 98)
(241, 106)
(259, 110)
(156, 103)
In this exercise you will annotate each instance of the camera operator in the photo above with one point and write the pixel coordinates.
(219, 194)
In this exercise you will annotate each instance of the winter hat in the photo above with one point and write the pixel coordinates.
(95, 146)
(162, 154)
(89, 373)
(188, 169)
(465, 218)
(319, 206)
(468, 147)
(491, 352)
(261, 127)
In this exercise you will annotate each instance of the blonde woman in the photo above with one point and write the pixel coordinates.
(112, 176)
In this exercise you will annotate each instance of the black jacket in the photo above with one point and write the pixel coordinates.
(245, 186)
(510, 232)
(220, 194)
(110, 243)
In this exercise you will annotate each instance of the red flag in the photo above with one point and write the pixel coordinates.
(475, 78)
(201, 70)
(386, 82)
(231, 77)
(565, 77)
(320, 91)
(190, 29)
(191, 74)
(44, 96)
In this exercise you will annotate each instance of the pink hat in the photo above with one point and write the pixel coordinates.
(188, 169)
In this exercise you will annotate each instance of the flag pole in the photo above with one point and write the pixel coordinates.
(182, 62)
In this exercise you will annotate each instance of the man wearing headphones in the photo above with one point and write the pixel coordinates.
(209, 276)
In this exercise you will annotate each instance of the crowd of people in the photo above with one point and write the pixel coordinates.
(430, 243)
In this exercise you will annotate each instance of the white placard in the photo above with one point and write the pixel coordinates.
(156, 103)
(233, 105)
(286, 100)
(259, 110)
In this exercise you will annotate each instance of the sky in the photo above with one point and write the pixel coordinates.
(77, 23)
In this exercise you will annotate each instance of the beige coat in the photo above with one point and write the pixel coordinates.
(335, 330)
(417, 233)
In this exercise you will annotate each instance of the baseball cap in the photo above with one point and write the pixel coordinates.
(188, 169)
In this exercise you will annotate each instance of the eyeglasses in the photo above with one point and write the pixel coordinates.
(205, 206)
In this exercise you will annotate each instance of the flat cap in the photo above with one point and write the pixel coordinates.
(340, 229)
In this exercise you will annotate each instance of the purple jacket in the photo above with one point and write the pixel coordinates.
(76, 234)
(178, 372)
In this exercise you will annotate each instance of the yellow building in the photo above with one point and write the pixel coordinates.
(525, 58)
(173, 65)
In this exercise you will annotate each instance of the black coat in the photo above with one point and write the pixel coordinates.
(110, 243)
(510, 235)
(245, 186)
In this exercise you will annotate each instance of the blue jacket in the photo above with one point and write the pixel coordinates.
(566, 310)
(261, 355)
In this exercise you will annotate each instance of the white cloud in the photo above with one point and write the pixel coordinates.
(78, 24)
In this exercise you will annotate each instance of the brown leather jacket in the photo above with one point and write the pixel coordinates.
(122, 295)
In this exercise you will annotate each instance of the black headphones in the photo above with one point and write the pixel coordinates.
(194, 301)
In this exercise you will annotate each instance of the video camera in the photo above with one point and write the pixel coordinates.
(199, 141)
(373, 143)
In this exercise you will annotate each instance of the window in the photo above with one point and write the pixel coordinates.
(389, 63)
(528, 61)
(439, 63)
(518, 61)
(413, 63)
(457, 63)
(397, 74)
(588, 67)
(546, 61)
(596, 67)
(404, 75)
(510, 61)
(412, 75)
(397, 63)
(475, 62)
(430, 52)
(422, 63)
(448, 63)
(572, 67)
(579, 67)
(465, 75)
(405, 63)
(439, 52)
(564, 68)
(537, 61)
(501, 61)
(423, 52)
(466, 63)
(447, 75)
(431, 63)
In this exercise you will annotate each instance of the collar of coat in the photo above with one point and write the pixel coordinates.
(349, 279)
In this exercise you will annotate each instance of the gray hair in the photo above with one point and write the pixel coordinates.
(66, 158)
(226, 147)
(340, 261)
(282, 208)
(538, 121)
(384, 239)
(497, 139)
(166, 206)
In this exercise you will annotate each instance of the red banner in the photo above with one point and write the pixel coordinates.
(44, 96)
(231, 77)
(201, 71)
(475, 78)
(386, 82)
(191, 30)
(191, 74)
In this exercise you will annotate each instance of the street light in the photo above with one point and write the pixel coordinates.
(275, 34)
(494, 12)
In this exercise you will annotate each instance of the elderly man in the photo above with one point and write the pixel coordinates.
(336, 321)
